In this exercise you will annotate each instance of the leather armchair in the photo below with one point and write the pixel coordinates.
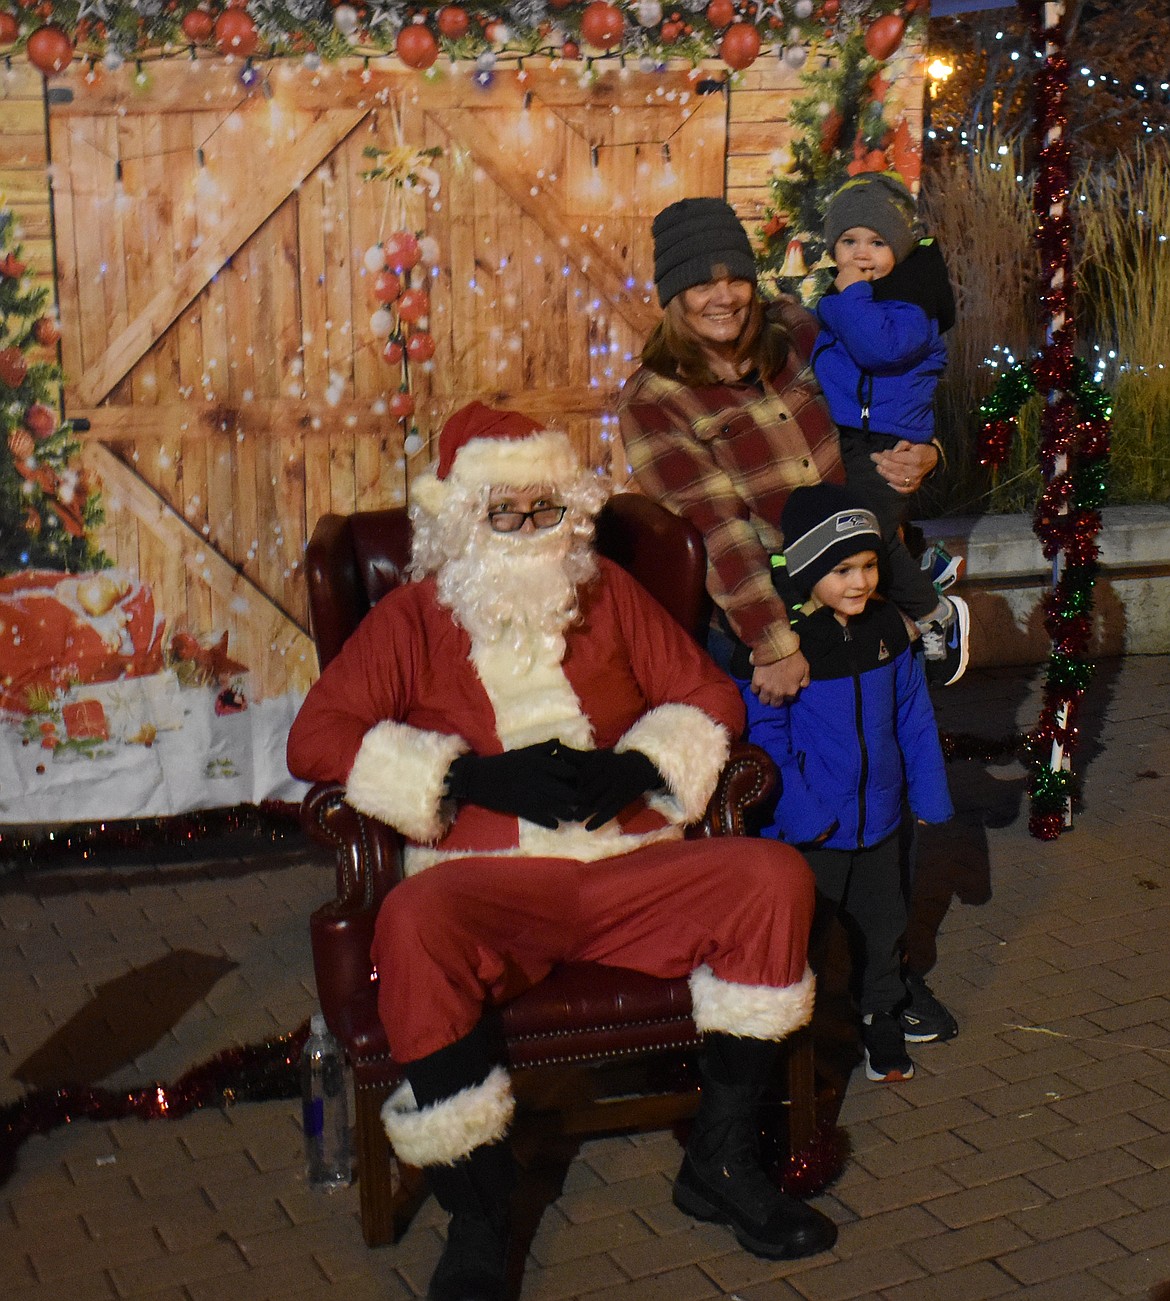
(583, 1014)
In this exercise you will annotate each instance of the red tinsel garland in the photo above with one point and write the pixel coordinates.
(256, 1073)
(273, 820)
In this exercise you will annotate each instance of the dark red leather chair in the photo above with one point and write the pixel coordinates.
(582, 1014)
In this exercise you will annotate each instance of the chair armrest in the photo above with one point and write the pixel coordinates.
(367, 853)
(368, 862)
(747, 779)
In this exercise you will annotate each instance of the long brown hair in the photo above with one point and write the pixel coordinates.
(674, 351)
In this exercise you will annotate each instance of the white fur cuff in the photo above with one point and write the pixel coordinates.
(751, 1011)
(689, 749)
(451, 1129)
(399, 777)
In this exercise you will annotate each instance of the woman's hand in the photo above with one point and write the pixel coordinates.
(906, 464)
(780, 682)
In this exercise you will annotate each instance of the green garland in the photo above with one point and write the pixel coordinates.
(291, 28)
(1067, 521)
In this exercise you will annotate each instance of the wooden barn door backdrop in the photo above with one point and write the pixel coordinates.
(219, 336)
(220, 254)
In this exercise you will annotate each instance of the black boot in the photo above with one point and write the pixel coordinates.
(452, 1121)
(722, 1178)
(476, 1191)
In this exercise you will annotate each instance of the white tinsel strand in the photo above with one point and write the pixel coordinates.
(527, 13)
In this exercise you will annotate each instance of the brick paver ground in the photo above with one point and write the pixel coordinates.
(1028, 1158)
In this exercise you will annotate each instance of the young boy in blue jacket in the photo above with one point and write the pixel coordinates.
(878, 359)
(857, 745)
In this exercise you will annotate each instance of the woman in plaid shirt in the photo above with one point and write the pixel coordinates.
(724, 418)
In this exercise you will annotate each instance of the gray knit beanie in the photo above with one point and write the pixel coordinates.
(876, 200)
(694, 236)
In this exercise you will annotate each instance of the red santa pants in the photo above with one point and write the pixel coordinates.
(471, 929)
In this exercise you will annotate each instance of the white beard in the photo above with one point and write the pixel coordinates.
(517, 591)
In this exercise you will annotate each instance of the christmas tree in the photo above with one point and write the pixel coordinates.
(47, 505)
(841, 129)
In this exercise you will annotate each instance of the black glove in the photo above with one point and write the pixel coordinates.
(537, 783)
(607, 782)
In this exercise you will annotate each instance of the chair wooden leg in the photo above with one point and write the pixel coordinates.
(802, 1091)
(386, 1189)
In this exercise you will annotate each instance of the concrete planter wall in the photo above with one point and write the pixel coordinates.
(1006, 577)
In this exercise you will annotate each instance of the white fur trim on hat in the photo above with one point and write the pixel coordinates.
(452, 1128)
(545, 457)
(751, 1011)
(399, 777)
(689, 748)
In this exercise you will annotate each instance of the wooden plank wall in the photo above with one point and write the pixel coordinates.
(23, 182)
(216, 308)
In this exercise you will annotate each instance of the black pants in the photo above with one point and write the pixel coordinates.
(908, 586)
(864, 888)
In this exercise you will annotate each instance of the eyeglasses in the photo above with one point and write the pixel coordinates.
(511, 521)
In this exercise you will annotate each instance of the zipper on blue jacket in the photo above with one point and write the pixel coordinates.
(864, 397)
(863, 776)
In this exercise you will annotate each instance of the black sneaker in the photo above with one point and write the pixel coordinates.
(924, 1019)
(886, 1059)
(946, 644)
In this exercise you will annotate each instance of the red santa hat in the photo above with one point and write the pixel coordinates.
(480, 445)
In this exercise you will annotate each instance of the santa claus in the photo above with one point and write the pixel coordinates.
(541, 732)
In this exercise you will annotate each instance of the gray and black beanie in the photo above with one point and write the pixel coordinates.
(694, 236)
(878, 201)
(822, 525)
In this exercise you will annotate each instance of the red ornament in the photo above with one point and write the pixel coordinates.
(570, 50)
(13, 367)
(9, 29)
(414, 305)
(197, 25)
(829, 9)
(392, 352)
(49, 49)
(884, 35)
(671, 31)
(416, 46)
(401, 251)
(602, 25)
(496, 32)
(11, 266)
(720, 13)
(401, 405)
(387, 286)
(740, 46)
(40, 420)
(558, 4)
(453, 22)
(420, 346)
(46, 331)
(235, 33)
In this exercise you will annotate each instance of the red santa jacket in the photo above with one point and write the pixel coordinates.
(409, 693)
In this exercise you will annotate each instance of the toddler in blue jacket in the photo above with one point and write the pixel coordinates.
(878, 359)
(857, 745)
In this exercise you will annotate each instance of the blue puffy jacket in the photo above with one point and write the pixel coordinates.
(880, 351)
(858, 740)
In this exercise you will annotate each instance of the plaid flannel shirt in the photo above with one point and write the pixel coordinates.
(726, 457)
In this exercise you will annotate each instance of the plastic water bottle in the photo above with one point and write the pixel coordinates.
(325, 1109)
